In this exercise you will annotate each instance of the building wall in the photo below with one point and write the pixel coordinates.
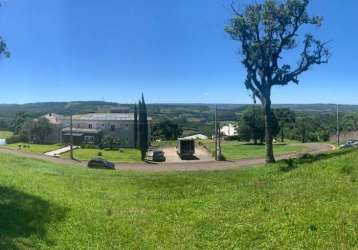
(121, 129)
(78, 140)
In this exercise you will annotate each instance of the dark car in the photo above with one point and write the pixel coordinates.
(100, 163)
(158, 156)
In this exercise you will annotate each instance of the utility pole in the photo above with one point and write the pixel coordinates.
(71, 138)
(219, 144)
(338, 132)
(216, 133)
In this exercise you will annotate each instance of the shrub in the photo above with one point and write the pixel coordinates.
(232, 138)
(99, 153)
(14, 139)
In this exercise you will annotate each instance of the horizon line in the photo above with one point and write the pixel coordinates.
(180, 103)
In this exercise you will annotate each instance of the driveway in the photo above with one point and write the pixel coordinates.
(205, 162)
(201, 155)
(60, 151)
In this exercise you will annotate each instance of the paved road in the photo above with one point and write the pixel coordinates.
(311, 148)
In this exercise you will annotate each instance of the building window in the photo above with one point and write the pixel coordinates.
(89, 125)
(113, 127)
(78, 125)
(89, 139)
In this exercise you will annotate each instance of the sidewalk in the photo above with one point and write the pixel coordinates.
(60, 151)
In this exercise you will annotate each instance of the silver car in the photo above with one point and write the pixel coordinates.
(350, 144)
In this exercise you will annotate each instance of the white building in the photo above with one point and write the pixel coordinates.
(229, 130)
(197, 137)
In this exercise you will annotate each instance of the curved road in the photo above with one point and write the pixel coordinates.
(311, 148)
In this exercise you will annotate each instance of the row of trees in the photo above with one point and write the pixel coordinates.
(166, 130)
(28, 129)
(301, 126)
(252, 124)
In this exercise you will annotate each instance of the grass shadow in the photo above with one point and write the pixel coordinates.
(24, 216)
(287, 165)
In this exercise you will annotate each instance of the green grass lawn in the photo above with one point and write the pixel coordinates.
(124, 155)
(34, 148)
(307, 204)
(233, 150)
(5, 134)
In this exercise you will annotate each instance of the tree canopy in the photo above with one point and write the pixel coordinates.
(265, 32)
(285, 117)
(167, 130)
(252, 125)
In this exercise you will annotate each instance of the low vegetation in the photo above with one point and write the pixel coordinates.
(304, 204)
(34, 148)
(5, 134)
(234, 150)
(164, 143)
(121, 155)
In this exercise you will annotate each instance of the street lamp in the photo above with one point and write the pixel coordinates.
(338, 132)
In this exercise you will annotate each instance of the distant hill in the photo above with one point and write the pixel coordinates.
(193, 118)
(9, 110)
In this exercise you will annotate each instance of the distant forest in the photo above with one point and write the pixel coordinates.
(192, 118)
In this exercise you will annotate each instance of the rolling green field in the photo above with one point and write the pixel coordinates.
(233, 150)
(124, 155)
(303, 204)
(5, 134)
(34, 148)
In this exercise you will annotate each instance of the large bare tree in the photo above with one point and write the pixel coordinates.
(265, 32)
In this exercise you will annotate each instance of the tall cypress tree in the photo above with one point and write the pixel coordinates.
(135, 126)
(143, 128)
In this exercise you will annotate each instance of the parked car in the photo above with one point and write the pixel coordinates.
(100, 163)
(350, 144)
(158, 156)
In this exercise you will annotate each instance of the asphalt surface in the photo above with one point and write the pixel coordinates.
(201, 154)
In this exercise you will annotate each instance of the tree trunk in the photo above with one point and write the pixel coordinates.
(268, 131)
(282, 138)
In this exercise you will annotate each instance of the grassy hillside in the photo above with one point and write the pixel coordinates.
(307, 204)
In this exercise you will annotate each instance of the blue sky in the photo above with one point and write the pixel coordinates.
(173, 51)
